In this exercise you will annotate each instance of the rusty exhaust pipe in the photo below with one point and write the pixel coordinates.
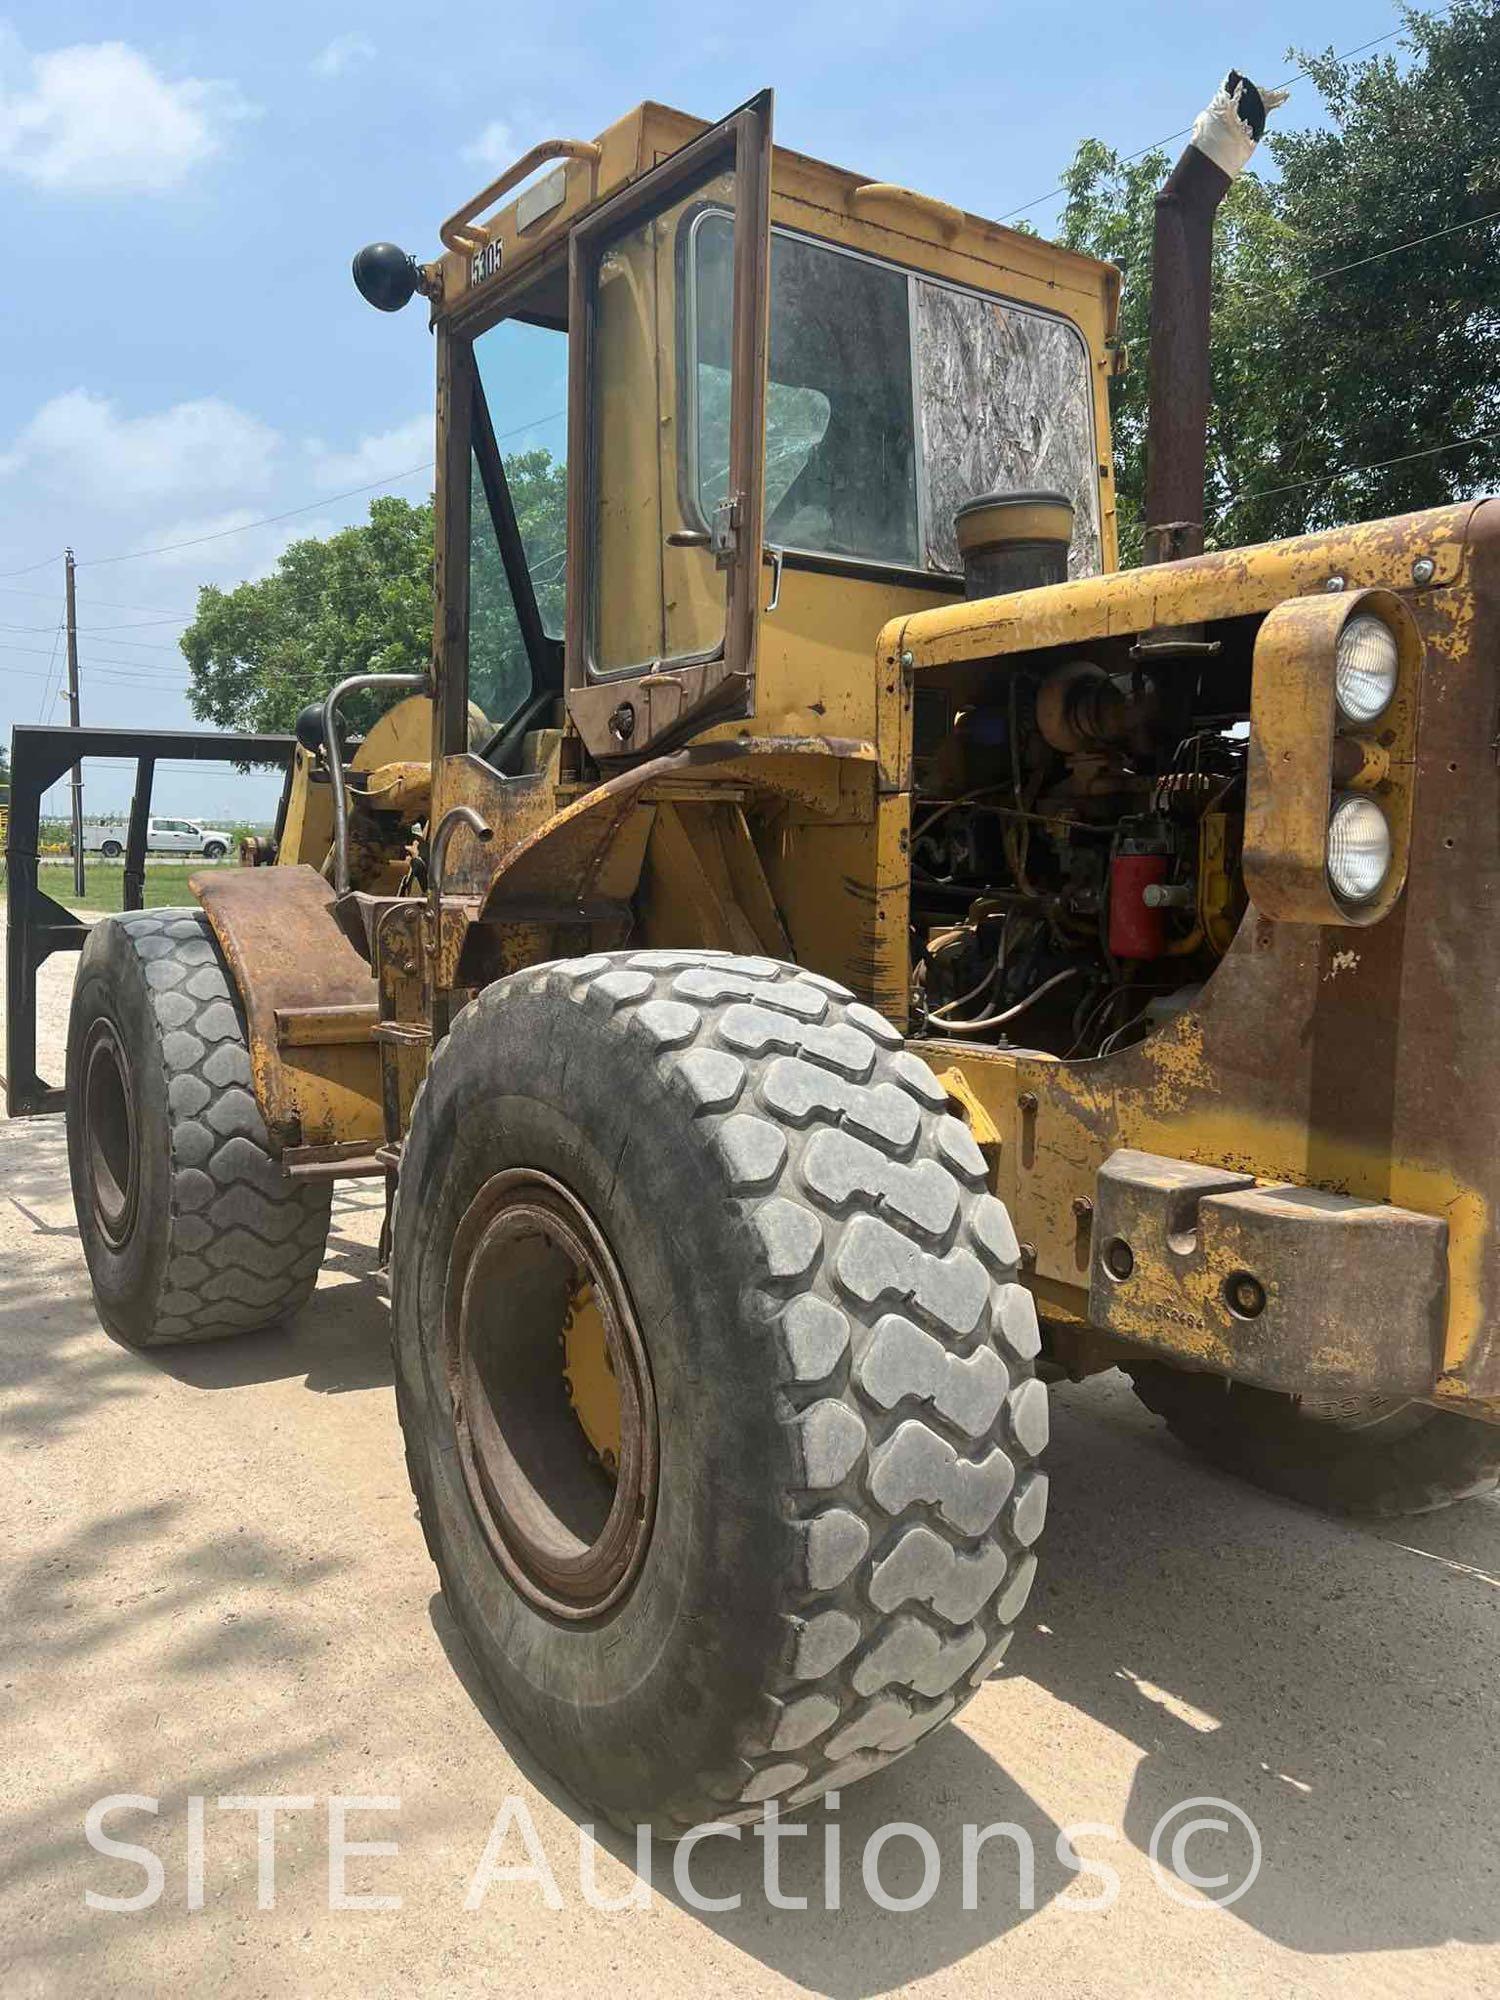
(1224, 137)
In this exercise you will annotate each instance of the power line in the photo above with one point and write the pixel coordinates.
(104, 603)
(145, 673)
(1351, 472)
(1412, 243)
(102, 659)
(1260, 285)
(111, 636)
(1301, 76)
(98, 673)
(289, 513)
(51, 662)
(265, 521)
(29, 567)
(140, 624)
(87, 631)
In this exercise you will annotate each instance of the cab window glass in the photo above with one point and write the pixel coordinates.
(658, 594)
(892, 399)
(1007, 402)
(499, 669)
(523, 370)
(840, 438)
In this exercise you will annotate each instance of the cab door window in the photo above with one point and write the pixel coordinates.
(661, 597)
(656, 600)
(840, 428)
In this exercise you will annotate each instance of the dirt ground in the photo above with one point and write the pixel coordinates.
(214, 1588)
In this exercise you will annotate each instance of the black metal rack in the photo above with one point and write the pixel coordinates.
(38, 925)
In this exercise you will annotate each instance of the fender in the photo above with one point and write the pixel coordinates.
(310, 1012)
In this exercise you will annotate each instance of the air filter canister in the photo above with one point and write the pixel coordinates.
(1013, 541)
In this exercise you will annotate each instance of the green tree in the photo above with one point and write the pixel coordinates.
(1329, 358)
(499, 671)
(360, 601)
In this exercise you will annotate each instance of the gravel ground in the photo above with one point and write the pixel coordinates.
(214, 1587)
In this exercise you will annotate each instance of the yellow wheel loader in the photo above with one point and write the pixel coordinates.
(824, 952)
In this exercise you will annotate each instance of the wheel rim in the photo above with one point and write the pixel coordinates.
(530, 1279)
(109, 1134)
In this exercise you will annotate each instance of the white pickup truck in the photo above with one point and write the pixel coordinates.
(163, 836)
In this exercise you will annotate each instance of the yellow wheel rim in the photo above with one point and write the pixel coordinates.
(590, 1377)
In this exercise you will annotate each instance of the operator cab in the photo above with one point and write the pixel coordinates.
(599, 341)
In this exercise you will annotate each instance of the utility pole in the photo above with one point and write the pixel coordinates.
(78, 883)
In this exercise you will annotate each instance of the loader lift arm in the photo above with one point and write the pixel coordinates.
(37, 925)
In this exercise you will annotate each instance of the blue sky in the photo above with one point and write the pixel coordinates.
(183, 352)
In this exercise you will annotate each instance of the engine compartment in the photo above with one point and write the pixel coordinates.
(1075, 839)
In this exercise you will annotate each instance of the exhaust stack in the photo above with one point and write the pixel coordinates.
(1224, 137)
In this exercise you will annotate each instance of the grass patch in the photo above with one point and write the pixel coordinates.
(104, 885)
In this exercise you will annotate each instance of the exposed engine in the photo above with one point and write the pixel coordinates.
(1075, 848)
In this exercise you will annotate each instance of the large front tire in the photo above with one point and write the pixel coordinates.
(191, 1229)
(1361, 1455)
(828, 1519)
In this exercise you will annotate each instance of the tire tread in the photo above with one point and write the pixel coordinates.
(887, 1279)
(245, 1241)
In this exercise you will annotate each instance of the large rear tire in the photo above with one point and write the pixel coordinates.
(817, 1537)
(191, 1229)
(1355, 1455)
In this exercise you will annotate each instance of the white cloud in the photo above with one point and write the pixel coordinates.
(79, 443)
(341, 54)
(495, 147)
(378, 456)
(225, 548)
(99, 118)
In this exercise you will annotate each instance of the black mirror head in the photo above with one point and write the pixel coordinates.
(386, 276)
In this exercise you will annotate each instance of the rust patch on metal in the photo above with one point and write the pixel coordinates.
(1227, 584)
(1356, 1063)
(585, 852)
(277, 929)
(1291, 1288)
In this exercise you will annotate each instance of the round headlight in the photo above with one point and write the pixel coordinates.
(1359, 848)
(1364, 668)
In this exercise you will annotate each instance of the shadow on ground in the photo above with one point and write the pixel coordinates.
(57, 1362)
(149, 1602)
(856, 1948)
(1335, 1681)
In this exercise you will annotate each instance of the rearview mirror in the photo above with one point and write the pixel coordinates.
(386, 276)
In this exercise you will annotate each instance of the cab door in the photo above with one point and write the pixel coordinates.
(663, 600)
